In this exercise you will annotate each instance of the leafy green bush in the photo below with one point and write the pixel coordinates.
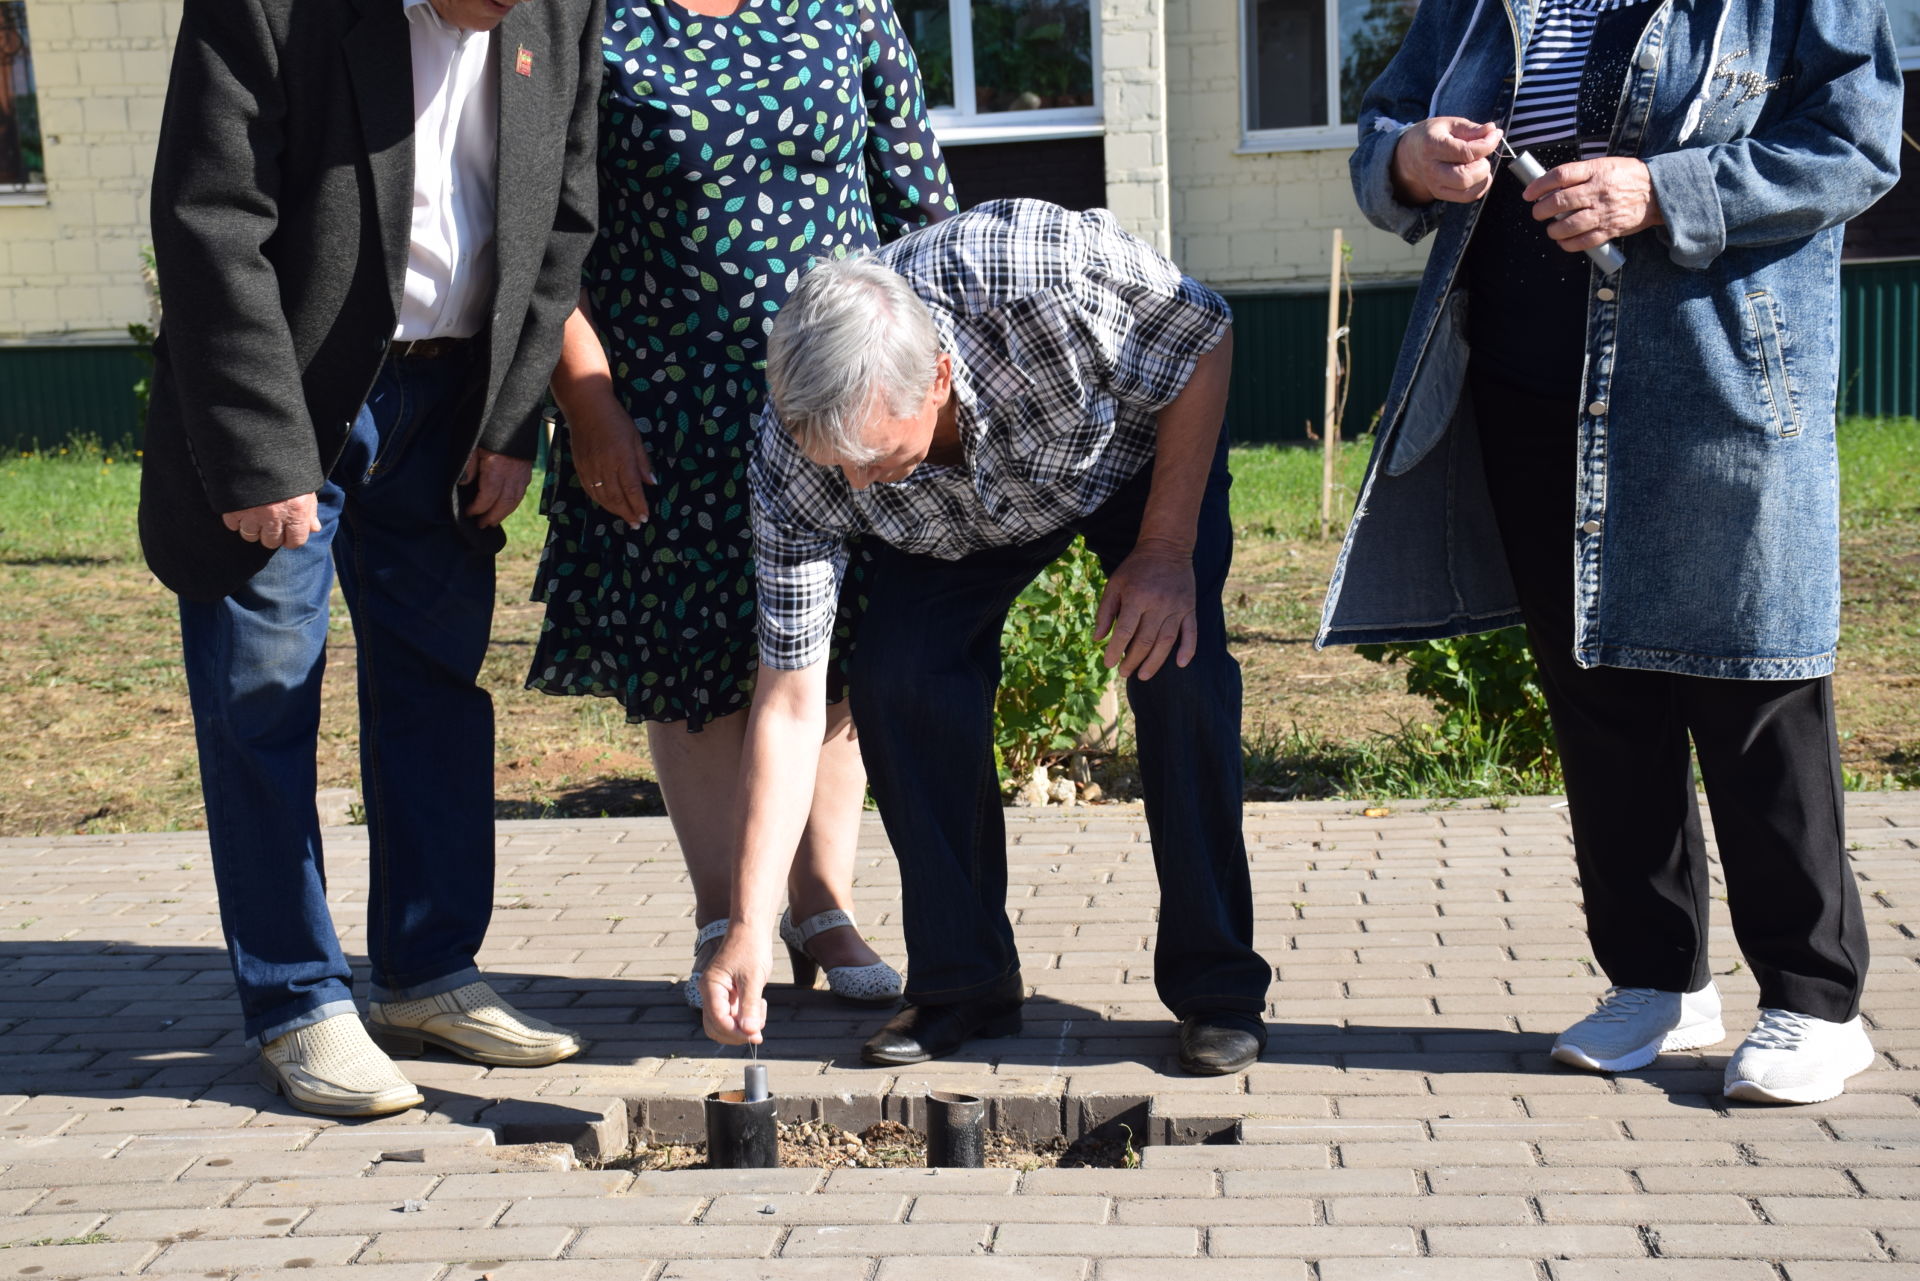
(1487, 692)
(1052, 675)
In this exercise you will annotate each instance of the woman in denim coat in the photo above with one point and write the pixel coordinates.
(1640, 465)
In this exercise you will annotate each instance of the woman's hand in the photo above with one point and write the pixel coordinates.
(1589, 202)
(732, 987)
(1444, 158)
(609, 456)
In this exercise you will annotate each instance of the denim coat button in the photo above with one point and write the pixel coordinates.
(1597, 408)
(1604, 295)
(1591, 527)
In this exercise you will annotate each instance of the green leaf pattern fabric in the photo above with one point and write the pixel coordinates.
(732, 151)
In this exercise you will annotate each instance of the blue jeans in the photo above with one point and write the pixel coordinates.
(926, 665)
(421, 597)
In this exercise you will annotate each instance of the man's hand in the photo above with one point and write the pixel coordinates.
(731, 987)
(287, 523)
(1147, 611)
(500, 483)
(1444, 158)
(1589, 202)
(609, 456)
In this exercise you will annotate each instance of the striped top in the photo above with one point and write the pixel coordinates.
(1547, 106)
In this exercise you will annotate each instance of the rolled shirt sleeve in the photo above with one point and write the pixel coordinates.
(798, 563)
(1148, 322)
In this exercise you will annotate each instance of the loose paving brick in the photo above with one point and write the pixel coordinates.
(1405, 1123)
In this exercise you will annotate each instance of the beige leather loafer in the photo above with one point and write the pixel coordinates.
(473, 1022)
(333, 1068)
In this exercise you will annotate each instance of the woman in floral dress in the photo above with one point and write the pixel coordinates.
(738, 140)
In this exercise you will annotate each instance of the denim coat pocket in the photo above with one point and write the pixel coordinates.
(1766, 351)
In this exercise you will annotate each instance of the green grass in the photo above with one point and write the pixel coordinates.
(1276, 488)
(1879, 470)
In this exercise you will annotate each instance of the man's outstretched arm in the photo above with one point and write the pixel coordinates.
(777, 767)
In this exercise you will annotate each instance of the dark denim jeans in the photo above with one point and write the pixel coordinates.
(421, 597)
(925, 669)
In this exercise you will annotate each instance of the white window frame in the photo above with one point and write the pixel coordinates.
(963, 123)
(1304, 137)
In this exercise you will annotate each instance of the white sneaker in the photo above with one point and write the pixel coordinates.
(1796, 1058)
(1632, 1025)
(333, 1068)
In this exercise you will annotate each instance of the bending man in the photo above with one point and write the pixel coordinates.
(968, 400)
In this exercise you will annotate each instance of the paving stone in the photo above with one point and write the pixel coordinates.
(611, 1211)
(1748, 1180)
(1841, 1212)
(1426, 1270)
(474, 1245)
(1200, 1269)
(1764, 1241)
(325, 1191)
(187, 1225)
(60, 1262)
(942, 1208)
(829, 1208)
(394, 1216)
(1810, 1270)
(1120, 1183)
(269, 1254)
(928, 1182)
(976, 1268)
(734, 1241)
(507, 1187)
(1104, 1241)
(1664, 1270)
(829, 1269)
(1312, 1242)
(1428, 1210)
(1536, 1242)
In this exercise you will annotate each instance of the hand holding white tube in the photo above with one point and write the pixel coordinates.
(1588, 204)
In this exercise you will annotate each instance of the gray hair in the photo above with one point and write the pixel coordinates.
(851, 330)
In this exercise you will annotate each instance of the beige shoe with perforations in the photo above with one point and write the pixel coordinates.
(333, 1068)
(473, 1022)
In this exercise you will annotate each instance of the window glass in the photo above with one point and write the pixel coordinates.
(1287, 57)
(1032, 54)
(21, 163)
(930, 31)
(1370, 34)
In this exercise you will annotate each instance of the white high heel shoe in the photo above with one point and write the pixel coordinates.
(876, 984)
(711, 932)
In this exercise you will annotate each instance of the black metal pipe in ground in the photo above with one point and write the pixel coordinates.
(742, 1135)
(956, 1131)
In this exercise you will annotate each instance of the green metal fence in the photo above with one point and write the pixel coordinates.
(51, 394)
(1280, 352)
(1880, 340)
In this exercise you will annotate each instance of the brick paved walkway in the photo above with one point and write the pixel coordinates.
(1405, 1122)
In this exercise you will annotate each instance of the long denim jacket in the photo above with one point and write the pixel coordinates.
(1705, 536)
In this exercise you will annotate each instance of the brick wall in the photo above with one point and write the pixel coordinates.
(1256, 220)
(1133, 97)
(71, 266)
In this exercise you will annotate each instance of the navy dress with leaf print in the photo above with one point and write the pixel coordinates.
(732, 151)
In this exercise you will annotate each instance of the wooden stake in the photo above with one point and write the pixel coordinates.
(1329, 426)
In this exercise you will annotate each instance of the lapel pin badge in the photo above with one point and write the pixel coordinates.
(523, 63)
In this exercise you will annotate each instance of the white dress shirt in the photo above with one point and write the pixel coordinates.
(456, 95)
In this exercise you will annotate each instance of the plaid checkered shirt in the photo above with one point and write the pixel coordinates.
(1067, 335)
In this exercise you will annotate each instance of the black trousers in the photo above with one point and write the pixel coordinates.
(1769, 757)
(924, 676)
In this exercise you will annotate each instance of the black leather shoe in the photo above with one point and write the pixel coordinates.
(922, 1032)
(1219, 1045)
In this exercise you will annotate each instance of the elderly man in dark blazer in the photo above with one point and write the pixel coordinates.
(369, 217)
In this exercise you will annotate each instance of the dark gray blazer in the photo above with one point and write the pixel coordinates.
(282, 197)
